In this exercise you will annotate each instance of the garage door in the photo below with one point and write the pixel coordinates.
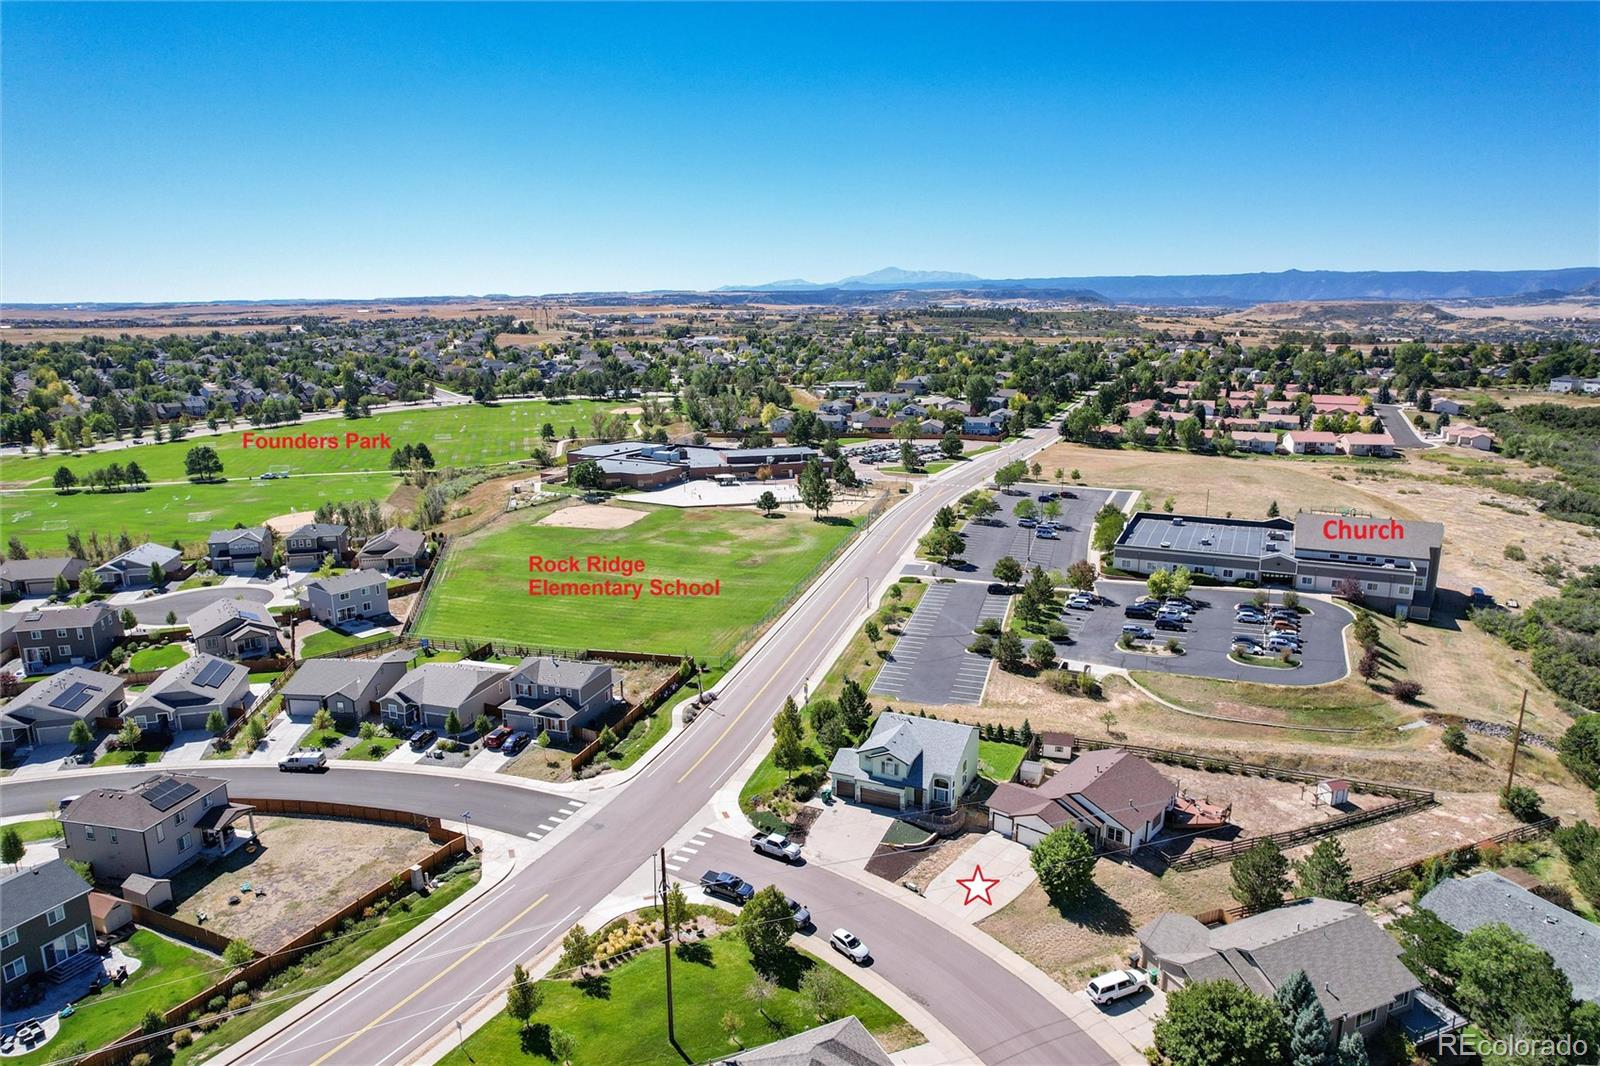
(879, 798)
(846, 790)
(52, 734)
(1002, 823)
(1027, 834)
(193, 719)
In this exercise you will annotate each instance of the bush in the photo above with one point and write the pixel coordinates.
(1406, 690)
(216, 1003)
(239, 988)
(989, 627)
(982, 644)
(183, 1038)
(1455, 740)
(239, 1002)
(1515, 553)
(1523, 803)
(141, 1059)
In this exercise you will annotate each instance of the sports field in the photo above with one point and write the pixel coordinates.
(482, 593)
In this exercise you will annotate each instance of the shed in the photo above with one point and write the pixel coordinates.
(146, 891)
(109, 913)
(1056, 745)
(1333, 792)
(1031, 772)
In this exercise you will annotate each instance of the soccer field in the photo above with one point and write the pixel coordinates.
(483, 591)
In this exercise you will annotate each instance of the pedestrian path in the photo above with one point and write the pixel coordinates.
(678, 859)
(553, 822)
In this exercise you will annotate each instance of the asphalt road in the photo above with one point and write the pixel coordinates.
(1399, 427)
(154, 610)
(1001, 1019)
(390, 1014)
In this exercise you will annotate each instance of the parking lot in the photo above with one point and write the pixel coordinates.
(1207, 638)
(930, 663)
(1000, 535)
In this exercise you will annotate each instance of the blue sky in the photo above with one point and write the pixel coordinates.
(264, 151)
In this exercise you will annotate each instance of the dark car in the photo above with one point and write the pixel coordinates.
(1170, 623)
(726, 886)
(422, 738)
(1139, 610)
(497, 737)
(515, 743)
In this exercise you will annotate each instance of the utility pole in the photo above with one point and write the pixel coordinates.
(671, 937)
(1516, 740)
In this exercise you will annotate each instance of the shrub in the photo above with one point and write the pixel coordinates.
(141, 1059)
(982, 644)
(1515, 553)
(988, 627)
(239, 988)
(216, 1003)
(1406, 690)
(1491, 855)
(1455, 740)
(239, 1002)
(1523, 803)
(183, 1038)
(1061, 681)
(1088, 686)
(152, 1022)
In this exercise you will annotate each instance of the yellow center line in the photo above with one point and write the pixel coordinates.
(427, 984)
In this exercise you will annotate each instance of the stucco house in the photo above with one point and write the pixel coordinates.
(1117, 799)
(908, 763)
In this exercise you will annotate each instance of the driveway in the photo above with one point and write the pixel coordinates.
(190, 745)
(1208, 637)
(283, 736)
(844, 834)
(1133, 1018)
(153, 610)
(1005, 869)
(43, 760)
(930, 663)
(1400, 428)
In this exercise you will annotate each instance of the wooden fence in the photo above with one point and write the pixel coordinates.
(450, 844)
(637, 711)
(1289, 838)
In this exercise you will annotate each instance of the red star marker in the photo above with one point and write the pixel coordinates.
(978, 886)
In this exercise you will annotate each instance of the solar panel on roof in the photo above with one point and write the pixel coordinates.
(75, 696)
(212, 674)
(164, 795)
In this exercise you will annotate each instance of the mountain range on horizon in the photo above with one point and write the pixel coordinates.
(1259, 287)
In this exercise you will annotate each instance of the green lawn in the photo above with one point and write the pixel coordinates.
(158, 657)
(128, 757)
(371, 750)
(37, 829)
(483, 591)
(171, 974)
(457, 436)
(327, 641)
(997, 760)
(624, 1023)
(928, 468)
(316, 969)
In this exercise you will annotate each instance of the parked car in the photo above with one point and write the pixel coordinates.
(304, 761)
(726, 886)
(1248, 605)
(1250, 619)
(1283, 644)
(1027, 523)
(497, 737)
(849, 945)
(422, 738)
(1139, 610)
(775, 845)
(1283, 625)
(1138, 632)
(802, 915)
(1171, 624)
(1081, 602)
(1114, 985)
(1243, 640)
(514, 743)
(1046, 534)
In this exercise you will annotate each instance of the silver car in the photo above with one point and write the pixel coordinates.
(849, 945)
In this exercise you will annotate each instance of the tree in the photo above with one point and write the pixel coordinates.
(854, 707)
(202, 464)
(1007, 570)
(130, 734)
(216, 723)
(1025, 509)
(1325, 872)
(607, 739)
(1454, 740)
(1219, 1023)
(65, 480)
(767, 503)
(1523, 803)
(814, 489)
(1082, 575)
(824, 990)
(11, 847)
(1260, 876)
(1305, 1020)
(766, 924)
(1009, 651)
(943, 545)
(563, 1045)
(1580, 749)
(1508, 986)
(322, 720)
(452, 723)
(80, 734)
(1042, 654)
(1159, 583)
(1064, 862)
(588, 475)
(950, 445)
(577, 950)
(1182, 581)
(238, 952)
(1272, 509)
(525, 997)
(1352, 1051)
(788, 747)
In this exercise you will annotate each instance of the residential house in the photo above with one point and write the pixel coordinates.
(1447, 407)
(37, 577)
(1566, 383)
(1465, 903)
(153, 829)
(240, 551)
(1346, 405)
(347, 596)
(558, 696)
(133, 568)
(45, 924)
(426, 696)
(46, 711)
(908, 762)
(1352, 963)
(845, 1042)
(1261, 443)
(1379, 445)
(1470, 437)
(235, 629)
(184, 696)
(67, 636)
(1310, 442)
(395, 550)
(1117, 799)
(346, 688)
(307, 547)
(985, 426)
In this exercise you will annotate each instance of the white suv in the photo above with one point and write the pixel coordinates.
(1114, 985)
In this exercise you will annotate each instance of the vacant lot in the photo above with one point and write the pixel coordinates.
(307, 868)
(483, 590)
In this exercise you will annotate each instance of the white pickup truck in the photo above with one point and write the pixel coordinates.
(776, 845)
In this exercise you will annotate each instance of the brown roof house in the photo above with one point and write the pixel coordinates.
(153, 829)
(396, 550)
(1117, 799)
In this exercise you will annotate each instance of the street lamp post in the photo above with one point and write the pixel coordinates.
(466, 816)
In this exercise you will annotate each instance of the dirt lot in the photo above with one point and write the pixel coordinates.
(593, 516)
(308, 867)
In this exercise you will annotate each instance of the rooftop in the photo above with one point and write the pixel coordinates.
(1202, 535)
(140, 807)
(1468, 902)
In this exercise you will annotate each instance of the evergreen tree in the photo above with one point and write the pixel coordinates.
(1325, 872)
(1303, 1016)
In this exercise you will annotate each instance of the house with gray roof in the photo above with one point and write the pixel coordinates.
(346, 597)
(558, 696)
(1117, 799)
(346, 688)
(240, 551)
(395, 550)
(21, 578)
(908, 763)
(45, 712)
(1352, 963)
(184, 696)
(132, 569)
(52, 637)
(845, 1042)
(306, 547)
(427, 695)
(45, 924)
(1465, 903)
(153, 829)
(235, 629)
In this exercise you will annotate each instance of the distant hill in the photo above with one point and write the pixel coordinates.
(1229, 289)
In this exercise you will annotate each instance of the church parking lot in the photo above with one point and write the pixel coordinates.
(1001, 535)
(1207, 639)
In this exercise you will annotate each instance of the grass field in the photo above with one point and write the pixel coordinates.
(327, 641)
(157, 658)
(37, 829)
(623, 1025)
(483, 591)
(999, 761)
(170, 974)
(457, 436)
